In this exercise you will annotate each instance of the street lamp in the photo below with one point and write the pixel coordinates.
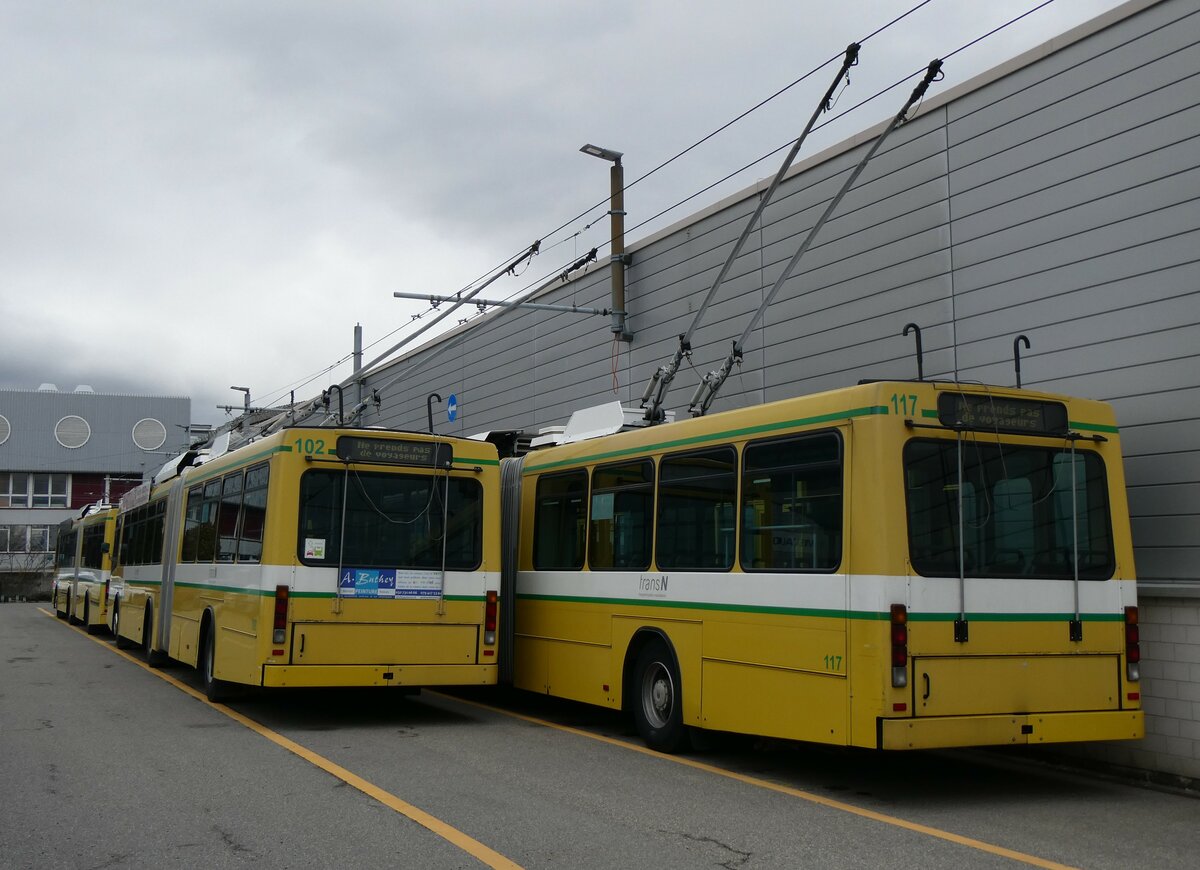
(603, 153)
(616, 211)
(245, 390)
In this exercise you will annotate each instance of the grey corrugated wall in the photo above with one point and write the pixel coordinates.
(1056, 197)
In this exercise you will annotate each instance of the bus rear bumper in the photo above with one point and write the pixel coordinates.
(313, 676)
(1025, 729)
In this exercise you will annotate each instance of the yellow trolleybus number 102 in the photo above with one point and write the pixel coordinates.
(288, 563)
(893, 565)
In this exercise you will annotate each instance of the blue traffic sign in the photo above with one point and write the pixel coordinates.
(451, 407)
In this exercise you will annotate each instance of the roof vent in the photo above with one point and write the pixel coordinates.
(84, 388)
(72, 432)
(149, 434)
(47, 388)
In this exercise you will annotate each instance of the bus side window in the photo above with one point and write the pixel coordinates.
(254, 515)
(228, 510)
(792, 504)
(696, 497)
(206, 532)
(622, 515)
(560, 521)
(191, 525)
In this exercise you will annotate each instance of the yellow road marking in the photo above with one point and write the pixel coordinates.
(473, 847)
(783, 789)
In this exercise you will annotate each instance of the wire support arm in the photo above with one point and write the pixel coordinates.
(656, 390)
(850, 59)
(509, 269)
(932, 73)
(508, 303)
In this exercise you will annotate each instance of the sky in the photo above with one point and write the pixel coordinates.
(199, 195)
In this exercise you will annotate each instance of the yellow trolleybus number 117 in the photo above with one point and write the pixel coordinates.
(317, 558)
(893, 565)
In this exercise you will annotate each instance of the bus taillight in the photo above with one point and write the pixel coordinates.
(281, 606)
(1133, 646)
(899, 646)
(489, 618)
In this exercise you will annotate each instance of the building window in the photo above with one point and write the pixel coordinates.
(14, 490)
(51, 490)
(41, 540)
(27, 539)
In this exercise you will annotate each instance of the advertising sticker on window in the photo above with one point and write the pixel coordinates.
(389, 583)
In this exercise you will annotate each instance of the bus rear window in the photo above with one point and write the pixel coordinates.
(392, 520)
(1022, 515)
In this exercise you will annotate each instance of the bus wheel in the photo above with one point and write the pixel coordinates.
(216, 690)
(657, 700)
(60, 609)
(87, 617)
(72, 619)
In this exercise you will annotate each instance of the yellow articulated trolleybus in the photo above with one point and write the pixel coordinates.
(84, 566)
(896, 565)
(317, 557)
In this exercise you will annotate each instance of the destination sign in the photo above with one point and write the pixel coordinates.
(1001, 414)
(389, 451)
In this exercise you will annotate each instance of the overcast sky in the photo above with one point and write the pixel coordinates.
(200, 194)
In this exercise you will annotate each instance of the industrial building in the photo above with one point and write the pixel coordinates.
(61, 450)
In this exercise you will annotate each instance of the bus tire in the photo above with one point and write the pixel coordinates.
(657, 700)
(59, 611)
(217, 691)
(72, 619)
(122, 641)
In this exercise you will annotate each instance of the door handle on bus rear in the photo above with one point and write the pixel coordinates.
(925, 697)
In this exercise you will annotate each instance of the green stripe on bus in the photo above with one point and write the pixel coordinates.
(1011, 617)
(466, 460)
(690, 605)
(330, 596)
(220, 467)
(239, 590)
(870, 615)
(869, 411)
(1093, 427)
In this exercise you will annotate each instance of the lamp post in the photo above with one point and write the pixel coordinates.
(616, 211)
(245, 390)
